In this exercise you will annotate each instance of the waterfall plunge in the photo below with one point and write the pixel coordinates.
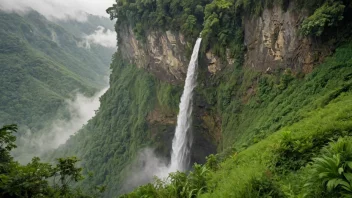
(180, 156)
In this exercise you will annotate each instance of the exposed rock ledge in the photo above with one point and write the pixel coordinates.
(273, 41)
(162, 53)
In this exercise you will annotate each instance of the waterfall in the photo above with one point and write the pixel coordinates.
(181, 144)
(180, 157)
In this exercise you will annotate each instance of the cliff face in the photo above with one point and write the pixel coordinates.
(162, 53)
(273, 41)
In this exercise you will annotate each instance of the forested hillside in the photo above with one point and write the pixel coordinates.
(120, 128)
(281, 130)
(42, 65)
(46, 66)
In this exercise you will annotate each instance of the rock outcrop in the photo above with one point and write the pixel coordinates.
(214, 63)
(273, 41)
(162, 53)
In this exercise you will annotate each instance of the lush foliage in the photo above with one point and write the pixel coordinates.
(41, 66)
(274, 124)
(36, 179)
(180, 15)
(218, 22)
(178, 184)
(327, 15)
(276, 99)
(112, 139)
(332, 171)
(280, 137)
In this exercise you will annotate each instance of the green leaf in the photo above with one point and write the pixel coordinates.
(340, 170)
(349, 164)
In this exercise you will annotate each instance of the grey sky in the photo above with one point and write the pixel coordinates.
(60, 9)
(68, 9)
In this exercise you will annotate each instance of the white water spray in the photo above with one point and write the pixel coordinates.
(182, 141)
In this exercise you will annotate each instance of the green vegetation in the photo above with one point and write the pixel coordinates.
(112, 139)
(41, 66)
(37, 179)
(276, 100)
(327, 15)
(220, 21)
(333, 170)
(184, 16)
(273, 125)
(292, 138)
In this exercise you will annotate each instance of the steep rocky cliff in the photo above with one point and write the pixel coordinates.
(162, 53)
(273, 41)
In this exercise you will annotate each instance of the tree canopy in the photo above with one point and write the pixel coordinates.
(36, 179)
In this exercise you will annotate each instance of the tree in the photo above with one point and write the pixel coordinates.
(326, 16)
(36, 179)
(6, 145)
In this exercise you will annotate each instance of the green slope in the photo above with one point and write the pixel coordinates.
(112, 139)
(41, 66)
(281, 159)
(320, 111)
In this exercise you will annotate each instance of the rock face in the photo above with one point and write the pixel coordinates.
(273, 41)
(214, 63)
(162, 53)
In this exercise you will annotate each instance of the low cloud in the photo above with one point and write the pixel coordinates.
(145, 169)
(59, 9)
(101, 36)
(80, 109)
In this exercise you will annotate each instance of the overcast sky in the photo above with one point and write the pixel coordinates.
(60, 9)
(68, 9)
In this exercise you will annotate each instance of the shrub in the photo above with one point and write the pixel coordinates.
(332, 171)
(326, 16)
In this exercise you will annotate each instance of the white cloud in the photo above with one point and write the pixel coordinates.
(106, 38)
(145, 169)
(59, 9)
(81, 109)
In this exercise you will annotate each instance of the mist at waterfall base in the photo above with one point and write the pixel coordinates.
(80, 109)
(148, 165)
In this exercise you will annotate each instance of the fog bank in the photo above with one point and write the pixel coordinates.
(80, 110)
(145, 169)
(59, 9)
(101, 36)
